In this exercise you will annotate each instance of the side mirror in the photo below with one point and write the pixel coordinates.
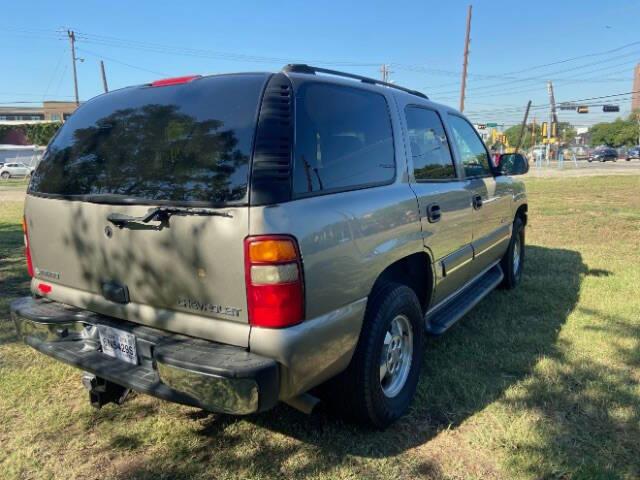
(513, 164)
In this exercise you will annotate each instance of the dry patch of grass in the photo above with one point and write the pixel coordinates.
(541, 382)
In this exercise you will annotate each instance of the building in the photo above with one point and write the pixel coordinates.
(50, 111)
(635, 97)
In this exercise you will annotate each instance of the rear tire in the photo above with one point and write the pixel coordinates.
(369, 391)
(5, 175)
(512, 262)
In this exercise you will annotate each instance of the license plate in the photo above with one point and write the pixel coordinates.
(118, 344)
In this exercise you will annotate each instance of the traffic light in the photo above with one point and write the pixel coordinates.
(554, 129)
(481, 126)
(583, 109)
(545, 127)
(610, 108)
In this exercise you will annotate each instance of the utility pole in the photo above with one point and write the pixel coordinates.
(72, 39)
(465, 61)
(385, 71)
(104, 77)
(523, 127)
(553, 118)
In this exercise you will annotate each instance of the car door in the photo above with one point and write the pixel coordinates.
(491, 196)
(21, 169)
(443, 200)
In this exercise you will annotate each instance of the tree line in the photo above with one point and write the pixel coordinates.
(620, 132)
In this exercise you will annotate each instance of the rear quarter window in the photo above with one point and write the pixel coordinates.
(188, 143)
(343, 139)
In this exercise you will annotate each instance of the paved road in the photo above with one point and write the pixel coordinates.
(585, 169)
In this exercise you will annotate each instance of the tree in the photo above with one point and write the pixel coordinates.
(566, 134)
(617, 133)
(513, 133)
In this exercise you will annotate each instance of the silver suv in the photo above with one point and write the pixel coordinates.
(233, 241)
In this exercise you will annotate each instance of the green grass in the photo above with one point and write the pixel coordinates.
(14, 182)
(540, 382)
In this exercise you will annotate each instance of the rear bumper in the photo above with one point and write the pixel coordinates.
(212, 376)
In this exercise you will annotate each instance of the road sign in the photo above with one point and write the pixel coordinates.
(568, 106)
(492, 124)
(610, 108)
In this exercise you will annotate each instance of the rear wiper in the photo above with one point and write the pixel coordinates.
(162, 214)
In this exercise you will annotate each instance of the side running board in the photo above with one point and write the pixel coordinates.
(440, 319)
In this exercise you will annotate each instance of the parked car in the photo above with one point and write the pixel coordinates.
(194, 251)
(539, 151)
(581, 153)
(13, 170)
(633, 152)
(603, 154)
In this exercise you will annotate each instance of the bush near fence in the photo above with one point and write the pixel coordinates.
(34, 133)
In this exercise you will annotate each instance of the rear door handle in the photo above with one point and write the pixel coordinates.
(477, 202)
(433, 213)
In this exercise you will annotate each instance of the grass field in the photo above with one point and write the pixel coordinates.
(540, 382)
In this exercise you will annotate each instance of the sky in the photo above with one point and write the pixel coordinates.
(512, 45)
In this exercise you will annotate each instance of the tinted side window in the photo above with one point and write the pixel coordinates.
(429, 147)
(473, 154)
(343, 139)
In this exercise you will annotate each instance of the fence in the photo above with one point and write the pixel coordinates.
(28, 155)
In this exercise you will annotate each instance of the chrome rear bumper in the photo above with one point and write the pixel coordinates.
(215, 377)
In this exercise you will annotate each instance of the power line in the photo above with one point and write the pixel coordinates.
(551, 74)
(578, 101)
(544, 65)
(99, 55)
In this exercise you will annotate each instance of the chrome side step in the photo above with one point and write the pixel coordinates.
(441, 318)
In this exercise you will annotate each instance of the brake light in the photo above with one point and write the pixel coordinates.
(174, 81)
(27, 249)
(273, 274)
(44, 288)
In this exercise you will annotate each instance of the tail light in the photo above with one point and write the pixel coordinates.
(27, 249)
(275, 288)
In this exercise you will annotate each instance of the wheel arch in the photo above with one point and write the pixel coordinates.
(522, 213)
(415, 271)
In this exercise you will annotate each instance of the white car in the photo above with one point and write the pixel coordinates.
(11, 170)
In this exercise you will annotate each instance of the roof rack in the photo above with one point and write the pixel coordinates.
(303, 68)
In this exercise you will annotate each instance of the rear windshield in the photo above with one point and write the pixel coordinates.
(188, 143)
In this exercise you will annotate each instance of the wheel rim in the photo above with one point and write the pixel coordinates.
(396, 356)
(516, 256)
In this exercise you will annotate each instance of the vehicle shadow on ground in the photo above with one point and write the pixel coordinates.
(494, 347)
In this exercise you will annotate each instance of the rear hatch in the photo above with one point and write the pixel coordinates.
(185, 148)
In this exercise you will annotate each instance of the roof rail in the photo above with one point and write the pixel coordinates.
(303, 68)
